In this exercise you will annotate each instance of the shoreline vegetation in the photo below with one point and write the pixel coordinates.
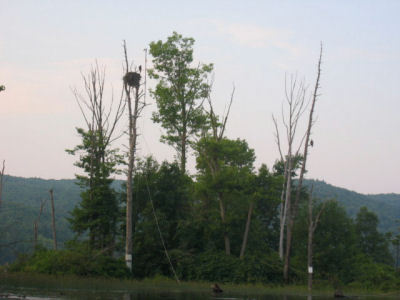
(65, 284)
(230, 222)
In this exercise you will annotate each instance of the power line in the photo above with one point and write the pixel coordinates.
(158, 226)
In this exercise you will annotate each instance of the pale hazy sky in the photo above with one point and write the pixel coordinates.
(45, 45)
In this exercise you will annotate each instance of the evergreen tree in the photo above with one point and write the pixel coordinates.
(98, 211)
(97, 214)
(370, 240)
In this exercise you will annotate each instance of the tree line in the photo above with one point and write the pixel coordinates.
(228, 222)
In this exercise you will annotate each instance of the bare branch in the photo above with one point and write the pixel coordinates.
(277, 138)
(225, 119)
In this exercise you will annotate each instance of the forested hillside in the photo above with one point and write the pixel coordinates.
(386, 206)
(22, 199)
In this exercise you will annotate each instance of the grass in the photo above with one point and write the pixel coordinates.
(68, 284)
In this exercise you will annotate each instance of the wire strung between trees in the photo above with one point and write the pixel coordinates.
(159, 231)
(157, 224)
(148, 188)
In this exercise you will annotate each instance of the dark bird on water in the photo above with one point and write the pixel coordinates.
(216, 289)
(311, 143)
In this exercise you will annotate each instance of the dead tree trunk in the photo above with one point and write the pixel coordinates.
(294, 96)
(1, 181)
(310, 244)
(36, 225)
(312, 225)
(134, 110)
(283, 213)
(53, 219)
(246, 231)
(294, 209)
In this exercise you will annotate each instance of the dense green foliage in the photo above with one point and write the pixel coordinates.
(346, 250)
(179, 92)
(164, 188)
(193, 237)
(222, 224)
(97, 213)
(219, 267)
(371, 242)
(20, 208)
(74, 261)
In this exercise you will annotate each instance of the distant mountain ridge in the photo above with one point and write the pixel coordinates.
(386, 206)
(22, 198)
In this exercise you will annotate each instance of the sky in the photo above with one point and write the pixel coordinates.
(46, 46)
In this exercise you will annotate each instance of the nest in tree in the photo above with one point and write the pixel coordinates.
(132, 79)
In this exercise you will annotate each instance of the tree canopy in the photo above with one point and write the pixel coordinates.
(179, 93)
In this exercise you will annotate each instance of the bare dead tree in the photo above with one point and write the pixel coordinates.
(133, 97)
(295, 100)
(293, 211)
(36, 224)
(53, 219)
(295, 92)
(312, 225)
(101, 119)
(283, 205)
(98, 117)
(1, 181)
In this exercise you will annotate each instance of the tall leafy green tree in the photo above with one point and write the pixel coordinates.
(161, 191)
(225, 169)
(267, 191)
(370, 240)
(335, 243)
(179, 93)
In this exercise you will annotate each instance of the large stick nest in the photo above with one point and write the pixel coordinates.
(132, 79)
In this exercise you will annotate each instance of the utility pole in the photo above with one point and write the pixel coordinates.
(132, 85)
(53, 219)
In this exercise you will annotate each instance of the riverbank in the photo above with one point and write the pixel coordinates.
(68, 284)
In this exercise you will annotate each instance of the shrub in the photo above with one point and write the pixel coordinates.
(219, 267)
(62, 262)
